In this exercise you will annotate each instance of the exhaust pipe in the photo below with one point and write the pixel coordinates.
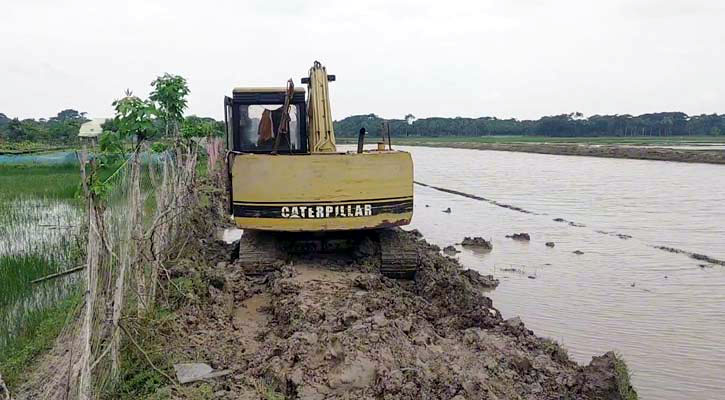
(360, 140)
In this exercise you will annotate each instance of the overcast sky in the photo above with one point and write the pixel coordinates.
(504, 58)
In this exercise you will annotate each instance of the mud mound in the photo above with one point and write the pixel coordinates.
(330, 328)
(477, 242)
(523, 236)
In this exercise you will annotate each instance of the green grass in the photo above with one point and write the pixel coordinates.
(41, 240)
(39, 218)
(39, 332)
(631, 140)
(50, 181)
(17, 271)
(28, 147)
(624, 379)
(138, 380)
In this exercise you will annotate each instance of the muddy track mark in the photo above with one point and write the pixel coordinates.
(570, 223)
(474, 197)
(694, 256)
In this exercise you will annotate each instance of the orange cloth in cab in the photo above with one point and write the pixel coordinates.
(266, 128)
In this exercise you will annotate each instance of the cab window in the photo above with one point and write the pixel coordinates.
(259, 126)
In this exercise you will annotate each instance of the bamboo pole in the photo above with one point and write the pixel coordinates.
(93, 249)
(119, 290)
(59, 274)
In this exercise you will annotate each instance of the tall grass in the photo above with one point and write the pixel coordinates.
(38, 239)
(37, 334)
(624, 379)
(39, 221)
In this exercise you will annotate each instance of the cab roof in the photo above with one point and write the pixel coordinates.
(266, 90)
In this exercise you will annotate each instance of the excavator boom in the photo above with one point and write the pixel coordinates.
(321, 132)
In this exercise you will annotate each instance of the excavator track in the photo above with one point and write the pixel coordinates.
(263, 252)
(259, 253)
(399, 258)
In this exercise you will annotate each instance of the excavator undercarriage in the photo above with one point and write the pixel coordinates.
(388, 250)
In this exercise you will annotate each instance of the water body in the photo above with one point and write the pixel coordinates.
(54, 158)
(664, 312)
(44, 158)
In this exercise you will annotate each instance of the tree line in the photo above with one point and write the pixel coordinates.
(60, 129)
(63, 128)
(564, 125)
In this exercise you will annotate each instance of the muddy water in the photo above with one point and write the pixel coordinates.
(664, 312)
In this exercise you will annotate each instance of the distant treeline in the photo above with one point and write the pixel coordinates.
(60, 129)
(63, 128)
(655, 124)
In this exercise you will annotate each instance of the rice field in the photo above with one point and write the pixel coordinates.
(42, 232)
(40, 218)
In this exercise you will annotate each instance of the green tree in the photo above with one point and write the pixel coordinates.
(69, 115)
(197, 127)
(110, 125)
(135, 117)
(170, 93)
(15, 130)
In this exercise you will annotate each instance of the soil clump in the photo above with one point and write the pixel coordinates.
(520, 236)
(451, 250)
(478, 242)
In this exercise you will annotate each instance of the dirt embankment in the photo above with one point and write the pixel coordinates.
(611, 151)
(323, 328)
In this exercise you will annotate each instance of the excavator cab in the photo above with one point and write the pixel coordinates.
(287, 174)
(254, 117)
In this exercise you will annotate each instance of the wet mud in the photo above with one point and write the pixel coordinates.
(523, 236)
(450, 250)
(477, 242)
(332, 327)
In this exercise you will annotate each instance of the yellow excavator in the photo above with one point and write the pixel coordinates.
(290, 184)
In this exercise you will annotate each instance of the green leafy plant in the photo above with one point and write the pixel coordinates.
(159, 147)
(170, 93)
(135, 117)
(197, 127)
(111, 144)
